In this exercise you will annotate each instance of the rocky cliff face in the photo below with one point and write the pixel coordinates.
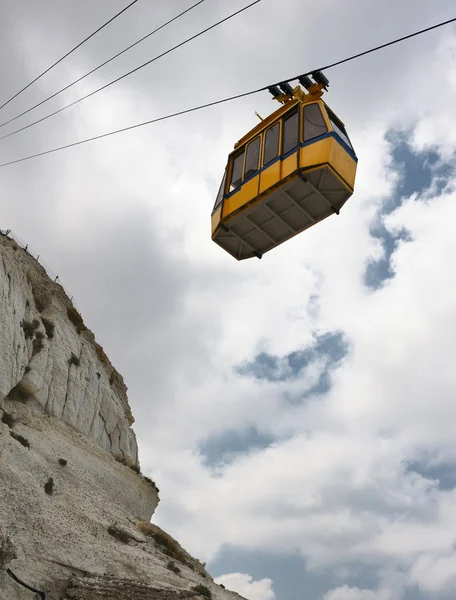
(75, 509)
(49, 355)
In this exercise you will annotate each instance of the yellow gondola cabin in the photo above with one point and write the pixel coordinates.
(291, 171)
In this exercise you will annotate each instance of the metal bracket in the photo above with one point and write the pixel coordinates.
(225, 228)
(317, 191)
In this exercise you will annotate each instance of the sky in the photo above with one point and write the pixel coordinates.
(297, 413)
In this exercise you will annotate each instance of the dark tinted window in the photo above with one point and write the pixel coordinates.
(236, 173)
(252, 157)
(220, 192)
(339, 129)
(290, 132)
(271, 144)
(314, 123)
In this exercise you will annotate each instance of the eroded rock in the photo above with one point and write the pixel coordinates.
(74, 506)
(48, 355)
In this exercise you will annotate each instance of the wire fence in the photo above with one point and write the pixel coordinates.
(9, 234)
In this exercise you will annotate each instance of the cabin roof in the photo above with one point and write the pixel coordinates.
(266, 122)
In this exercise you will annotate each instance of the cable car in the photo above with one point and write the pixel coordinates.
(294, 169)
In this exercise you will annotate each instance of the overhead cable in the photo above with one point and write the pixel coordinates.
(130, 72)
(68, 53)
(104, 63)
(228, 99)
(396, 41)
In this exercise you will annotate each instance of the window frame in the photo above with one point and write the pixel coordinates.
(247, 146)
(336, 122)
(323, 116)
(289, 115)
(278, 124)
(239, 152)
(221, 193)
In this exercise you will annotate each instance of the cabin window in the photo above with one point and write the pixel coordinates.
(236, 172)
(271, 144)
(313, 122)
(290, 132)
(221, 192)
(339, 129)
(252, 157)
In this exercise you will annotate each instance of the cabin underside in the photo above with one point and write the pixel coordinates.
(301, 201)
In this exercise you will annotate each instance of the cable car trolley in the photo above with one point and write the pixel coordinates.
(294, 169)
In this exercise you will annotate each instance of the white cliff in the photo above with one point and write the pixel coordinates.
(47, 353)
(75, 509)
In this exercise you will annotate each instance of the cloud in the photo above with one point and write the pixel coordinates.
(423, 174)
(245, 586)
(225, 447)
(339, 492)
(331, 346)
(353, 593)
(435, 574)
(391, 586)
